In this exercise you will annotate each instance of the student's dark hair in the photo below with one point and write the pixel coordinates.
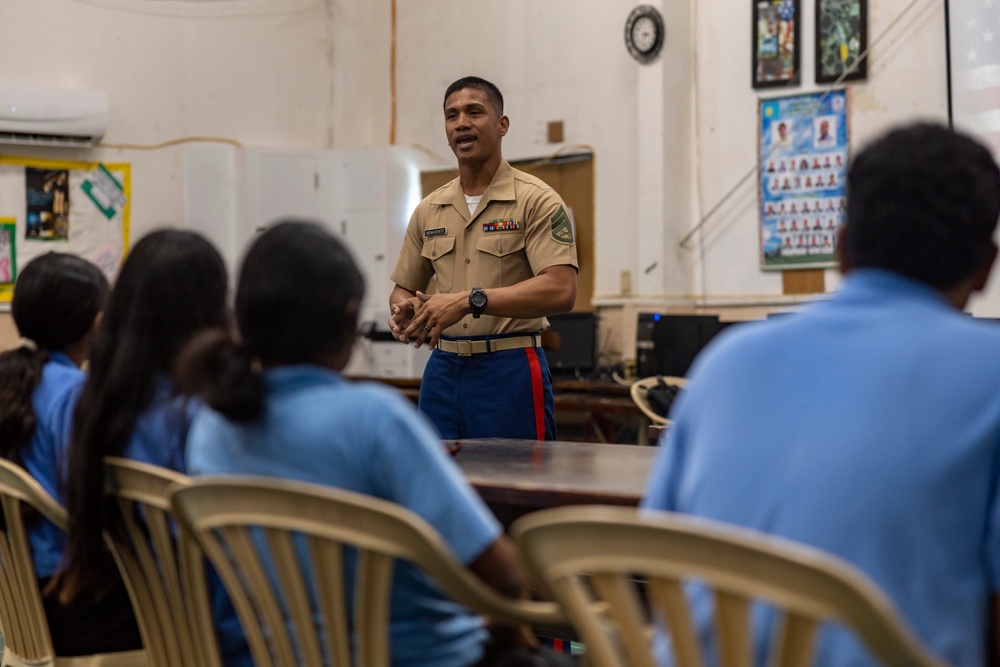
(922, 201)
(491, 91)
(172, 286)
(57, 297)
(296, 303)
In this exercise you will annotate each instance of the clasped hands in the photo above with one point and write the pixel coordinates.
(422, 318)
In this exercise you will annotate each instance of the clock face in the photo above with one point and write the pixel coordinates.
(644, 33)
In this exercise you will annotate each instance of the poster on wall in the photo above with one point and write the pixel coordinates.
(47, 201)
(974, 69)
(44, 207)
(841, 38)
(8, 252)
(775, 43)
(803, 167)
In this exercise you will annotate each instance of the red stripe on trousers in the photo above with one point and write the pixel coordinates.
(537, 392)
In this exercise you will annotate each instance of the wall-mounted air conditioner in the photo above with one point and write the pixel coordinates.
(44, 116)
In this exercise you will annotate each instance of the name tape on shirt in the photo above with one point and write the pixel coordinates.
(501, 225)
(437, 231)
(562, 227)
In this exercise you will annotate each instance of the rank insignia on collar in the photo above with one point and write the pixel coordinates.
(437, 231)
(501, 225)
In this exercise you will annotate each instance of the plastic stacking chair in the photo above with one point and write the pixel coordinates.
(22, 615)
(591, 559)
(278, 546)
(164, 575)
(640, 390)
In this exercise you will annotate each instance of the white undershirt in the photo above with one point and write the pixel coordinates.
(472, 203)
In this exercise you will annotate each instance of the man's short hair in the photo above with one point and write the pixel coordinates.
(922, 201)
(491, 91)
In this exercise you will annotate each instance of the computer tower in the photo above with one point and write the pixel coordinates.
(668, 344)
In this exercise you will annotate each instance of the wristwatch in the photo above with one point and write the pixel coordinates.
(477, 300)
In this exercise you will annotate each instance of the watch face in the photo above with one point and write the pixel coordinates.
(644, 33)
(478, 298)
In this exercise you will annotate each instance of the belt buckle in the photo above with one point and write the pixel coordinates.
(463, 348)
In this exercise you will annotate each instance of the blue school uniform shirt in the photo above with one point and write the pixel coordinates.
(867, 426)
(320, 428)
(53, 401)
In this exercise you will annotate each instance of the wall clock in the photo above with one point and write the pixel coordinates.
(644, 33)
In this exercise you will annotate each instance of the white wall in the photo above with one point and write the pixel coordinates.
(907, 80)
(253, 71)
(670, 139)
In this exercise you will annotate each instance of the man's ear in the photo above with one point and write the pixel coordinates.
(982, 274)
(843, 262)
(504, 124)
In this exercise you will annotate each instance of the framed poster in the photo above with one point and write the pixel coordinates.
(841, 38)
(775, 43)
(974, 69)
(803, 167)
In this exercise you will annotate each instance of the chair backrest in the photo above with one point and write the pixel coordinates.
(592, 558)
(162, 570)
(25, 628)
(640, 392)
(22, 615)
(278, 547)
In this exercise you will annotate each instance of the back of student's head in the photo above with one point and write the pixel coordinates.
(296, 303)
(171, 286)
(923, 202)
(56, 301)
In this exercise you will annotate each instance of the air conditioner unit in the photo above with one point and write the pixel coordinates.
(43, 116)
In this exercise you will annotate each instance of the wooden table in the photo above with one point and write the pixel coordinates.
(515, 477)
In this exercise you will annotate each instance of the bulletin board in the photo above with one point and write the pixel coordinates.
(54, 205)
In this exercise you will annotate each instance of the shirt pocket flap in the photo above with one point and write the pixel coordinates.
(501, 244)
(438, 247)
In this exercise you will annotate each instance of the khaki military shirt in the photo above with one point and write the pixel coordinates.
(519, 228)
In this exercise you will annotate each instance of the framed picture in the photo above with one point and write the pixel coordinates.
(803, 143)
(776, 43)
(973, 68)
(841, 38)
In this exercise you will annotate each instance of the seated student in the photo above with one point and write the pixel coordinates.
(57, 301)
(869, 425)
(281, 408)
(172, 285)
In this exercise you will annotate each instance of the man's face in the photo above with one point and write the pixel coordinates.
(473, 126)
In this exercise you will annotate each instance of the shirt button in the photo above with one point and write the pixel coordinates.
(500, 249)
(468, 261)
(465, 325)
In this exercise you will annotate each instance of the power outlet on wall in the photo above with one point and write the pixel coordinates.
(625, 282)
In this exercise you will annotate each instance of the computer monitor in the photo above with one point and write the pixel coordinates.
(668, 344)
(577, 343)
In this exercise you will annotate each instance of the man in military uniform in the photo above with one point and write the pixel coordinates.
(502, 247)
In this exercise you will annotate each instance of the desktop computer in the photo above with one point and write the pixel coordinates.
(668, 344)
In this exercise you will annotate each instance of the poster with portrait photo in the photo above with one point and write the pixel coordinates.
(803, 143)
